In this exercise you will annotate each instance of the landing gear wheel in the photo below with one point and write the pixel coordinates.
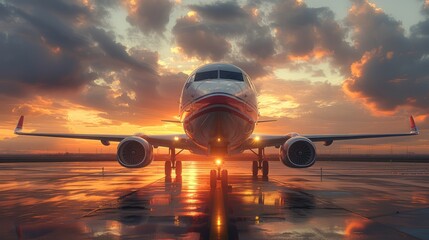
(167, 167)
(224, 179)
(255, 168)
(178, 168)
(213, 179)
(265, 168)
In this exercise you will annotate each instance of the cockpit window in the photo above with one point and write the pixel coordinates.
(200, 76)
(238, 76)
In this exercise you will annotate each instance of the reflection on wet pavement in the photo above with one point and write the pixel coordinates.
(81, 200)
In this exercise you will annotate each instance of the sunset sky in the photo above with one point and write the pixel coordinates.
(105, 66)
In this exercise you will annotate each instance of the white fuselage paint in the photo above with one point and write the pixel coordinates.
(218, 114)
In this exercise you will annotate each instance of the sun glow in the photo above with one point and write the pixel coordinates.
(192, 14)
(274, 106)
(84, 116)
(132, 5)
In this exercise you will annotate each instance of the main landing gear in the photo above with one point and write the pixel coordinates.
(219, 174)
(261, 164)
(173, 164)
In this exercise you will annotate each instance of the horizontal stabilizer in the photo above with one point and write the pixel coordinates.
(171, 121)
(264, 121)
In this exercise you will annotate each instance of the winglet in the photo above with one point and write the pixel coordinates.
(20, 124)
(414, 128)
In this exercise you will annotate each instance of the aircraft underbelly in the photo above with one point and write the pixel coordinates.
(219, 125)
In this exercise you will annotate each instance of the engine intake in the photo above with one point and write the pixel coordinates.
(298, 152)
(134, 152)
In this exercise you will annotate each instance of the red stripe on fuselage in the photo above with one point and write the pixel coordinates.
(219, 108)
(224, 103)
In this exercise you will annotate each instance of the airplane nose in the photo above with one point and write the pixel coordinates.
(223, 86)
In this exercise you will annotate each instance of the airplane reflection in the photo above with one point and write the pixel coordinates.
(133, 209)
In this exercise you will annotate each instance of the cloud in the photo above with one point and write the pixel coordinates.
(220, 11)
(60, 46)
(372, 28)
(151, 16)
(117, 51)
(135, 96)
(322, 108)
(318, 73)
(199, 40)
(66, 52)
(393, 69)
(214, 31)
(253, 68)
(27, 63)
(258, 43)
(306, 33)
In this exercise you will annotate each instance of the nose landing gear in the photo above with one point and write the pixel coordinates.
(262, 164)
(173, 164)
(219, 174)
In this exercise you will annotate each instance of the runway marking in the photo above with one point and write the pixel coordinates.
(82, 175)
(398, 212)
(103, 206)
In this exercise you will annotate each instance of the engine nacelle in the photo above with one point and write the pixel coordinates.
(298, 152)
(134, 152)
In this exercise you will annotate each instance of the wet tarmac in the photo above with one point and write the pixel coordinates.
(331, 200)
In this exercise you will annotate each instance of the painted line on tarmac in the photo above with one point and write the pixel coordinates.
(107, 203)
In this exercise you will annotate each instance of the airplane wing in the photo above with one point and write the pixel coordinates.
(169, 140)
(261, 141)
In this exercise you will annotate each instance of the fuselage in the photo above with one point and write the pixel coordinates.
(218, 108)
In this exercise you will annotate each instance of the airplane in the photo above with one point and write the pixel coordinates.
(218, 110)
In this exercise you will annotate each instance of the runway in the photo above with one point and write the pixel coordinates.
(102, 200)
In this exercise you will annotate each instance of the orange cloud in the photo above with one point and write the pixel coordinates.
(348, 85)
(357, 69)
(354, 226)
(316, 54)
(358, 9)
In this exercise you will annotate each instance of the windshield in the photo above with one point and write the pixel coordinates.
(238, 76)
(206, 75)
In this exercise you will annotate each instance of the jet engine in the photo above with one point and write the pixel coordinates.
(134, 152)
(298, 152)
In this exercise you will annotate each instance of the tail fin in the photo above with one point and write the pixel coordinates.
(20, 125)
(414, 128)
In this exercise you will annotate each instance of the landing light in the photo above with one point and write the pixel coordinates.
(218, 139)
(176, 138)
(257, 138)
(218, 162)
